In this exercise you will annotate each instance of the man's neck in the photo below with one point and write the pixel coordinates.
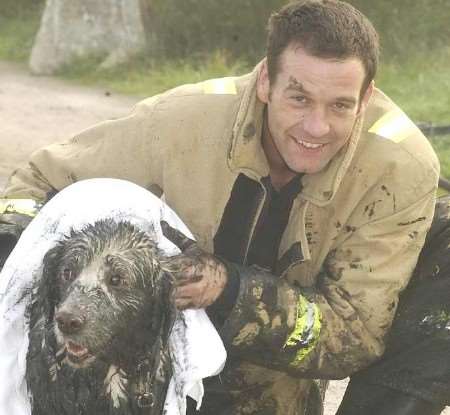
(280, 173)
(279, 180)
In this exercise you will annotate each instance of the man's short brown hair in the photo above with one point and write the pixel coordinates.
(326, 29)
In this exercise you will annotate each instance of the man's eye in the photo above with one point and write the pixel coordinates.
(341, 106)
(299, 98)
(67, 275)
(115, 280)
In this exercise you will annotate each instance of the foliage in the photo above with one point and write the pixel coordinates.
(441, 145)
(19, 22)
(420, 85)
(16, 8)
(408, 28)
(186, 27)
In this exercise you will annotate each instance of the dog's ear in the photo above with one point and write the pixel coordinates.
(48, 295)
(169, 313)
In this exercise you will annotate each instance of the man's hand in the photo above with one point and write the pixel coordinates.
(200, 277)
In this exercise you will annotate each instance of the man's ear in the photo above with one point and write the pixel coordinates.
(366, 97)
(263, 83)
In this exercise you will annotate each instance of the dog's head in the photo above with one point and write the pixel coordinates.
(105, 294)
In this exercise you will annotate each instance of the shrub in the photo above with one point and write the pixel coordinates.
(197, 27)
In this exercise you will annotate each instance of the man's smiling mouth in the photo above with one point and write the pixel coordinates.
(308, 145)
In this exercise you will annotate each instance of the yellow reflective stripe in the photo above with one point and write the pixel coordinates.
(307, 329)
(394, 126)
(222, 86)
(27, 207)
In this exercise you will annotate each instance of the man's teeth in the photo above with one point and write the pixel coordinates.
(309, 145)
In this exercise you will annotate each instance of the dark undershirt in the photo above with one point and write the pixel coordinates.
(263, 250)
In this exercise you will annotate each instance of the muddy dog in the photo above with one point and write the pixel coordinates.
(100, 318)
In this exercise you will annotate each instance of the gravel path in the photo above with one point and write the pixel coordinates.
(36, 111)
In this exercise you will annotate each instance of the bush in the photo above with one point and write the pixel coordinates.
(408, 28)
(198, 27)
(14, 8)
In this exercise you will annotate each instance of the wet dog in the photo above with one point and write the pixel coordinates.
(100, 318)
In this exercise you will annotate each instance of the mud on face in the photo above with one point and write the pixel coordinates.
(103, 293)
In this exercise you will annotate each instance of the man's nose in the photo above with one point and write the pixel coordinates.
(316, 124)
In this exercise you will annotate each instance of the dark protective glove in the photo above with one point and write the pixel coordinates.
(200, 278)
(15, 215)
(11, 227)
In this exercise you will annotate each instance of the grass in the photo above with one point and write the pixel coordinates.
(441, 145)
(17, 31)
(146, 77)
(420, 85)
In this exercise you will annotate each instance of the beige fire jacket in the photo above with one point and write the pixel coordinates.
(351, 244)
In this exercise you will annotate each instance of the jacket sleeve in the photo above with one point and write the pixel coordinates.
(339, 327)
(118, 149)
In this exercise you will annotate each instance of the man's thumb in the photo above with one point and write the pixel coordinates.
(177, 237)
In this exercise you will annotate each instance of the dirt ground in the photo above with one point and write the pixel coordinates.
(36, 111)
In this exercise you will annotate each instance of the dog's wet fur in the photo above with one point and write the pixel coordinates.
(100, 318)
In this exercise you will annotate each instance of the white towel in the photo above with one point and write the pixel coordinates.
(198, 349)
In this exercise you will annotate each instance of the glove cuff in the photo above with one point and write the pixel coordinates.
(219, 311)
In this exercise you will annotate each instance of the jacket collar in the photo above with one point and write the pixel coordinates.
(320, 188)
(247, 154)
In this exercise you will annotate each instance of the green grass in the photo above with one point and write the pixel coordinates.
(420, 85)
(146, 77)
(17, 32)
(441, 145)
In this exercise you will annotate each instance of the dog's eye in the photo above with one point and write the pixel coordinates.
(115, 280)
(67, 274)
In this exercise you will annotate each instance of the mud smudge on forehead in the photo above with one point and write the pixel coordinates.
(295, 84)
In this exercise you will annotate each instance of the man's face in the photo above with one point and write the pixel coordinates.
(311, 109)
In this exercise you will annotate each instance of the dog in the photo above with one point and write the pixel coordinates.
(100, 318)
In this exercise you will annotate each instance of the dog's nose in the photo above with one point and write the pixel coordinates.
(69, 323)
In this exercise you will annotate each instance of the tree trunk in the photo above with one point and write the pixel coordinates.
(112, 29)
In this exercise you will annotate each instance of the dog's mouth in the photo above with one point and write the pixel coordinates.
(76, 353)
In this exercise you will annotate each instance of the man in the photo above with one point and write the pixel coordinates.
(313, 191)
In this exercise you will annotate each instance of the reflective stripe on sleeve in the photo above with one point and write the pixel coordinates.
(307, 330)
(222, 86)
(27, 207)
(394, 126)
